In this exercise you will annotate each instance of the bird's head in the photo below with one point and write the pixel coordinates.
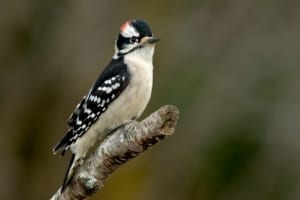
(135, 35)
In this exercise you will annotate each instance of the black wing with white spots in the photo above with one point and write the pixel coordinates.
(111, 82)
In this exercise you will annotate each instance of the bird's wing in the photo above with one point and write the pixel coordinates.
(111, 82)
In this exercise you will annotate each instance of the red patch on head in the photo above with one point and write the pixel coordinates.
(124, 26)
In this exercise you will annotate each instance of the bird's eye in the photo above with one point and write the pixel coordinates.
(134, 40)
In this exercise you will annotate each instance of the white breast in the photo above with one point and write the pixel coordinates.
(131, 102)
(134, 99)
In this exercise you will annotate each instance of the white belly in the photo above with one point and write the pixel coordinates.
(129, 105)
(134, 99)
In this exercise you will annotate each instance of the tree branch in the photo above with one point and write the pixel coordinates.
(123, 144)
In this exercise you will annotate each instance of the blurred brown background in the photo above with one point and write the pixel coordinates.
(232, 67)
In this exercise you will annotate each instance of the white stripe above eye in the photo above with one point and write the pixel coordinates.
(129, 31)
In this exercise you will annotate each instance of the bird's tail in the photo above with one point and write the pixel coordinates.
(74, 163)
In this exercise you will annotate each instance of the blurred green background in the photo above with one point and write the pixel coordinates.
(232, 68)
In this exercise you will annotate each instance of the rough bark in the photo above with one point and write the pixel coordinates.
(125, 143)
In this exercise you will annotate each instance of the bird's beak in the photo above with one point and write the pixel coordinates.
(149, 40)
(152, 40)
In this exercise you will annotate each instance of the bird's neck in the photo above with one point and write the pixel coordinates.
(144, 54)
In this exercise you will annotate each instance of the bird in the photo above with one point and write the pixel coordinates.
(120, 94)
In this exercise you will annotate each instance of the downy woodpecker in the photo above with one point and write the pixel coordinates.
(120, 94)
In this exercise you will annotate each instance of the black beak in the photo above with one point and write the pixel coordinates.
(152, 40)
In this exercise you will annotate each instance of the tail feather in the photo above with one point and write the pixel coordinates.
(74, 163)
(69, 172)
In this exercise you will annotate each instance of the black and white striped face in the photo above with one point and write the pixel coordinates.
(134, 34)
